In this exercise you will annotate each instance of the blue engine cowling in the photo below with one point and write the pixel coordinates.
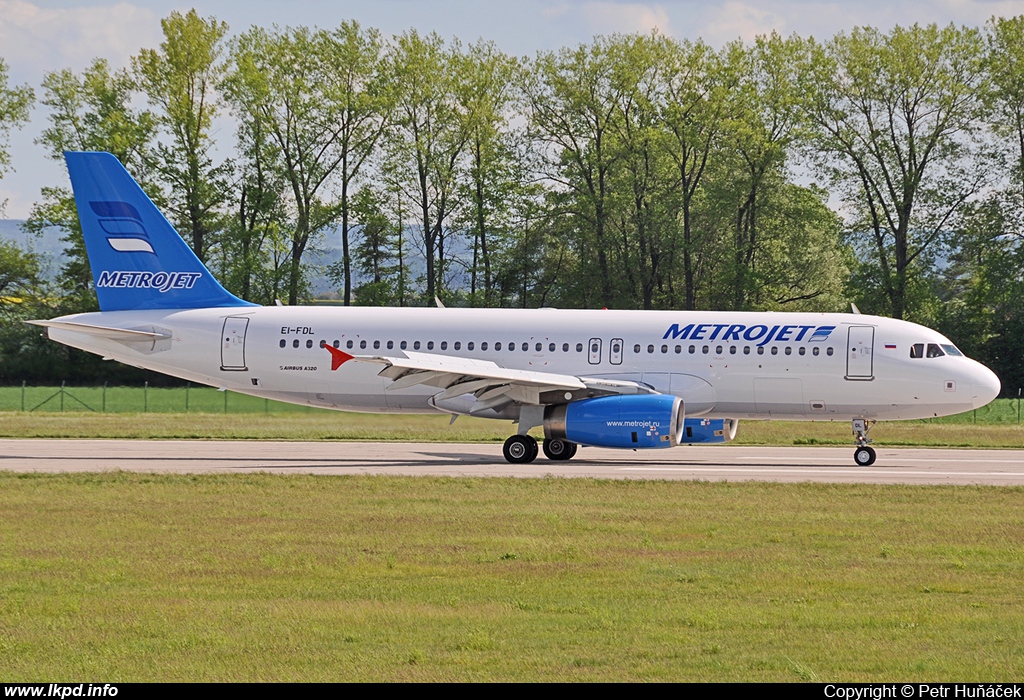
(618, 421)
(708, 430)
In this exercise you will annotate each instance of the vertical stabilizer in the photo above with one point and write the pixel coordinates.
(138, 260)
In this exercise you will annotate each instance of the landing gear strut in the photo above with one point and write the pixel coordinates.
(520, 449)
(864, 456)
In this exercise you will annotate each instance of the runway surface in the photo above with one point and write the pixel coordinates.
(710, 463)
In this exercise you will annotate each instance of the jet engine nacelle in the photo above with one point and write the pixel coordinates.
(618, 421)
(706, 430)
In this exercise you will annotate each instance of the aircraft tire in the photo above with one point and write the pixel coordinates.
(520, 449)
(559, 450)
(864, 456)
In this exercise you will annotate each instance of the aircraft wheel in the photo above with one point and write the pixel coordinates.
(864, 456)
(520, 449)
(559, 449)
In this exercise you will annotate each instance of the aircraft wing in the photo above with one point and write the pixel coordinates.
(491, 384)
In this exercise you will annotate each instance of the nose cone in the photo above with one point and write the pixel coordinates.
(986, 385)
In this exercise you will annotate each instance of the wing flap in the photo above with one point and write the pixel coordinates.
(490, 383)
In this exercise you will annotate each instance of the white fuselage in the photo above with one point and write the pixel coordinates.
(721, 363)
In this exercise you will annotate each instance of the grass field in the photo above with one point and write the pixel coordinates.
(334, 425)
(200, 399)
(130, 577)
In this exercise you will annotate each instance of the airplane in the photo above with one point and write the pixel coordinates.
(605, 378)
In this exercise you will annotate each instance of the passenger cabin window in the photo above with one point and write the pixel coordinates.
(934, 350)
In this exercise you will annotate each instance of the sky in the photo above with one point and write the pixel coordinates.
(38, 36)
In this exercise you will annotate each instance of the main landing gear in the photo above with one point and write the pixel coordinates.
(864, 456)
(523, 449)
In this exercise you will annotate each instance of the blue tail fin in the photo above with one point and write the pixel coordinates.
(138, 260)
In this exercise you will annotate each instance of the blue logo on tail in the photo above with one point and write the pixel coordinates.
(123, 226)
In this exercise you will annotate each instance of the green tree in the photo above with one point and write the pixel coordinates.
(91, 112)
(15, 103)
(360, 86)
(644, 201)
(21, 298)
(896, 120)
(573, 100)
(494, 182)
(698, 83)
(180, 80)
(284, 85)
(378, 254)
(428, 139)
(255, 246)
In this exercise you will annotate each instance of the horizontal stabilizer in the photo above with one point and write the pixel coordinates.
(121, 335)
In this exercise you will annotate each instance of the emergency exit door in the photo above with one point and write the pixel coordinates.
(859, 353)
(232, 345)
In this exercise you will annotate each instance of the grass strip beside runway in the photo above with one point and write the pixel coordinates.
(334, 425)
(133, 577)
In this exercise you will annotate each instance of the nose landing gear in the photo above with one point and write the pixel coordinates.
(863, 456)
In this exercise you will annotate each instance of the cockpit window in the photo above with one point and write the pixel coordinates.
(934, 350)
(951, 350)
(917, 350)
